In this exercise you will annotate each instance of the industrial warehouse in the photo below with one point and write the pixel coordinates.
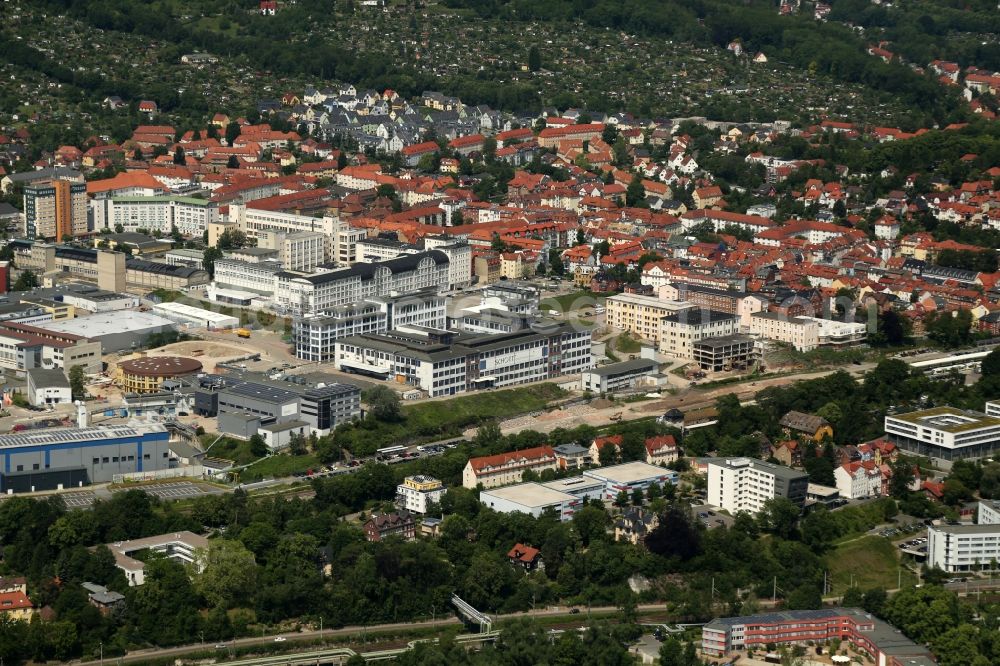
(59, 458)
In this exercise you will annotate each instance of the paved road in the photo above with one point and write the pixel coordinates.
(141, 655)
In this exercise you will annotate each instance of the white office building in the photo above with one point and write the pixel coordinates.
(260, 277)
(254, 221)
(459, 259)
(316, 335)
(444, 362)
(745, 484)
(945, 432)
(956, 548)
(305, 294)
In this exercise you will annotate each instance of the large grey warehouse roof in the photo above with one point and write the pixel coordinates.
(71, 435)
(108, 323)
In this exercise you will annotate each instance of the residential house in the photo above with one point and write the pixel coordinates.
(398, 524)
(661, 450)
(16, 606)
(526, 557)
(808, 425)
(635, 524)
(601, 442)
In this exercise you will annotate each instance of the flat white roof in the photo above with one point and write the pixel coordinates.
(629, 472)
(530, 494)
(106, 323)
(197, 314)
(573, 483)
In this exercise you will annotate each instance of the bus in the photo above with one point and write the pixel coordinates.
(390, 451)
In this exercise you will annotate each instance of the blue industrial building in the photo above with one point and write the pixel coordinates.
(70, 457)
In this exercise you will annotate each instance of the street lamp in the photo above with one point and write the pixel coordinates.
(102, 653)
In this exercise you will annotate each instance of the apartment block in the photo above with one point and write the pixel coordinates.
(55, 209)
(188, 215)
(800, 332)
(641, 315)
(882, 642)
(745, 484)
(415, 493)
(679, 331)
(506, 468)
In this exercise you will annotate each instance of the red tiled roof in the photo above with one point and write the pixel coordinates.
(536, 453)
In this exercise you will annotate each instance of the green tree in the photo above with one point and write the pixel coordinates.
(233, 162)
(208, 259)
(179, 156)
(229, 573)
(77, 382)
(635, 194)
(25, 281)
(902, 477)
(233, 130)
(258, 446)
(457, 219)
(384, 404)
(534, 59)
(779, 516)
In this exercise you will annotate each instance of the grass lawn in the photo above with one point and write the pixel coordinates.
(441, 419)
(279, 465)
(873, 561)
(626, 344)
(573, 301)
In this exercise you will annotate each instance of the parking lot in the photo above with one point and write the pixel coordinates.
(176, 490)
(710, 517)
(83, 500)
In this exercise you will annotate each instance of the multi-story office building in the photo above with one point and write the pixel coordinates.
(740, 303)
(800, 332)
(444, 363)
(956, 548)
(641, 316)
(382, 249)
(745, 484)
(945, 432)
(260, 277)
(323, 406)
(416, 492)
(316, 335)
(682, 329)
(297, 251)
(188, 215)
(308, 294)
(55, 208)
(252, 221)
(459, 259)
(70, 457)
(506, 468)
(882, 642)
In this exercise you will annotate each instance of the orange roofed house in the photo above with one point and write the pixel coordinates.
(504, 468)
